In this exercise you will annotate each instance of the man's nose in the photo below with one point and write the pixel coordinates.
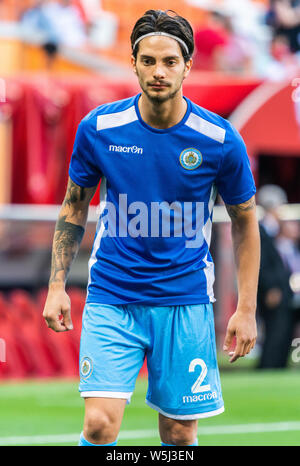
(159, 72)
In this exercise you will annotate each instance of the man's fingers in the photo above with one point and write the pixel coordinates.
(228, 339)
(66, 320)
(59, 322)
(249, 347)
(55, 323)
(243, 347)
(238, 352)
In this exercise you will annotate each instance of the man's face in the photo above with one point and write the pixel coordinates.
(160, 68)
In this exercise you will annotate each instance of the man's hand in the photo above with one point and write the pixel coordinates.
(243, 327)
(57, 311)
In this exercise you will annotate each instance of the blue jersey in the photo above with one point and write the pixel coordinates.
(158, 188)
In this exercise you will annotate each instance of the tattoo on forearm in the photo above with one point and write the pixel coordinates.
(67, 239)
(235, 210)
(74, 194)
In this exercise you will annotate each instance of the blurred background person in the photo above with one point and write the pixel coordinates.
(287, 243)
(102, 25)
(282, 63)
(209, 37)
(37, 26)
(54, 24)
(220, 48)
(239, 36)
(274, 292)
(236, 54)
(284, 18)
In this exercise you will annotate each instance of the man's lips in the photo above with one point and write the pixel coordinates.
(158, 86)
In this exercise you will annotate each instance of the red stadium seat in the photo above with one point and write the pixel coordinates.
(14, 365)
(64, 346)
(28, 320)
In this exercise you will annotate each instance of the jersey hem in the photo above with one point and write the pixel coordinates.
(106, 394)
(167, 301)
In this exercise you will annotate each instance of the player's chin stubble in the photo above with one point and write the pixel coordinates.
(159, 99)
(156, 98)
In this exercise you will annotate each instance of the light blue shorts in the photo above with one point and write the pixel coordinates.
(179, 343)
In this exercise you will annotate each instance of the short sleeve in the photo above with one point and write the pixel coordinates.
(235, 181)
(83, 169)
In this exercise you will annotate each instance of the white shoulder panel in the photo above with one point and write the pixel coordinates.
(113, 120)
(205, 127)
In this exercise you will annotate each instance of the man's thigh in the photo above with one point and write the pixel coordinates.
(111, 352)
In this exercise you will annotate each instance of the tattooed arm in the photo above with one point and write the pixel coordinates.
(246, 246)
(68, 234)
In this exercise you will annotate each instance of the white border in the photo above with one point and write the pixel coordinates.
(186, 417)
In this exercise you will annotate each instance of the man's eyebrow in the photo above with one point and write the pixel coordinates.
(172, 57)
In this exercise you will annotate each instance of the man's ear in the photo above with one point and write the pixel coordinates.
(188, 66)
(133, 63)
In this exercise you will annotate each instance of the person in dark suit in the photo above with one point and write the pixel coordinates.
(275, 296)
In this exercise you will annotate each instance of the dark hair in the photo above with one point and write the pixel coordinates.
(164, 21)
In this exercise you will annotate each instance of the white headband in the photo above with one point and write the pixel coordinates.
(158, 33)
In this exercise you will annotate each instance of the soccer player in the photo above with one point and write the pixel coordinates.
(161, 160)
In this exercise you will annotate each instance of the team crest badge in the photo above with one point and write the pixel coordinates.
(190, 159)
(86, 367)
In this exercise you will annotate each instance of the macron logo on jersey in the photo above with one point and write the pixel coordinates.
(127, 149)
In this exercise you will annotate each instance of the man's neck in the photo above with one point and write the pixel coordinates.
(162, 115)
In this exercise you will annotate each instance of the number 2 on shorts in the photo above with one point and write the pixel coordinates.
(197, 387)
